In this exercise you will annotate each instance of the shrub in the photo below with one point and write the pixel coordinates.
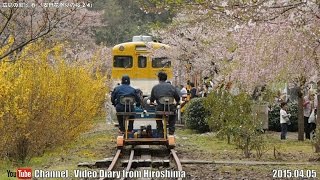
(195, 115)
(229, 112)
(293, 110)
(231, 115)
(274, 117)
(45, 102)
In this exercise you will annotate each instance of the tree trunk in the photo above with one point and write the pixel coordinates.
(318, 112)
(317, 144)
(247, 150)
(300, 115)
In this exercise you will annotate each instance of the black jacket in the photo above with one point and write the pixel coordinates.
(123, 90)
(161, 90)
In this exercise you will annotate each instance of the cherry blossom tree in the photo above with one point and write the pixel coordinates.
(251, 42)
(196, 44)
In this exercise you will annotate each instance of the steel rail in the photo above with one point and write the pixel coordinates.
(177, 161)
(129, 163)
(114, 160)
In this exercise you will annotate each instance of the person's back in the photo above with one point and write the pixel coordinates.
(193, 91)
(164, 89)
(124, 90)
(183, 90)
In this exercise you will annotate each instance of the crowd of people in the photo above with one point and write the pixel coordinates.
(200, 91)
(165, 88)
(310, 103)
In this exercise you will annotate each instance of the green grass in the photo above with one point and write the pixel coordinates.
(100, 143)
(207, 142)
(89, 147)
(275, 149)
(191, 145)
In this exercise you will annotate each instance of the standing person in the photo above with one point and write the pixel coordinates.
(193, 91)
(124, 90)
(204, 90)
(183, 91)
(284, 120)
(199, 91)
(164, 89)
(307, 108)
(313, 116)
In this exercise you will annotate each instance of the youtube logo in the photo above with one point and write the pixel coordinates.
(24, 173)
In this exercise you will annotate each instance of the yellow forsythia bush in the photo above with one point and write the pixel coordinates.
(44, 101)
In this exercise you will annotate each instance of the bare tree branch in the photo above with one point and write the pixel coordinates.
(29, 24)
(7, 21)
(20, 46)
(278, 15)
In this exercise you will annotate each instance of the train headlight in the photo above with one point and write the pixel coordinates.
(121, 48)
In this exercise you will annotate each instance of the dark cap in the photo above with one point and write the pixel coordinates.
(125, 79)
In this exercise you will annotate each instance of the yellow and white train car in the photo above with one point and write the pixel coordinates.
(137, 60)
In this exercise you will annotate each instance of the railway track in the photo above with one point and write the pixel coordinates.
(142, 159)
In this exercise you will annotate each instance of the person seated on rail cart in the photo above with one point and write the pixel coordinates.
(124, 90)
(164, 89)
(140, 95)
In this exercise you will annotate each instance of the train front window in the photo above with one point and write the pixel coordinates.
(161, 62)
(122, 61)
(142, 61)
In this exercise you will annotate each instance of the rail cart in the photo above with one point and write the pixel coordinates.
(143, 134)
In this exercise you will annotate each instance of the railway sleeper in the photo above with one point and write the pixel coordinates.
(147, 163)
(152, 152)
(98, 164)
